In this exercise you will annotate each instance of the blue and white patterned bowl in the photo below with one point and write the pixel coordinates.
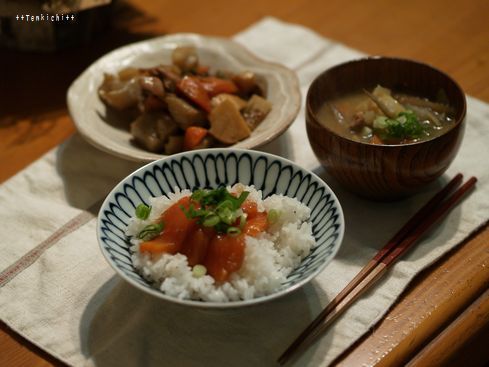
(211, 168)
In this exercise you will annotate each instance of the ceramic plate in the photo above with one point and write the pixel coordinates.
(212, 168)
(92, 121)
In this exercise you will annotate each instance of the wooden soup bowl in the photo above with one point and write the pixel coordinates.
(384, 172)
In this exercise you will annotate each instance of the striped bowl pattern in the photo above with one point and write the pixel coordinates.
(211, 168)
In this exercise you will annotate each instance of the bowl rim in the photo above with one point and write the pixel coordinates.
(374, 58)
(219, 305)
(145, 156)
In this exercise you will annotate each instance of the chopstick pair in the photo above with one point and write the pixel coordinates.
(412, 231)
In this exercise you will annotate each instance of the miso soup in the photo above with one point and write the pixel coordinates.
(381, 116)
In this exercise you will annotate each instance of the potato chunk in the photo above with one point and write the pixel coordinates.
(174, 144)
(120, 93)
(239, 102)
(227, 124)
(152, 130)
(185, 57)
(256, 110)
(246, 82)
(184, 114)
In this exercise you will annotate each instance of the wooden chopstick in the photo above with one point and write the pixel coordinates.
(433, 210)
(420, 214)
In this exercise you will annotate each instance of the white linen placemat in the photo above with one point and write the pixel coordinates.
(57, 290)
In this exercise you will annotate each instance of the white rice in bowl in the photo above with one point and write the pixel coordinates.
(269, 257)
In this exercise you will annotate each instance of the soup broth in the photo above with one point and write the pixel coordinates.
(381, 116)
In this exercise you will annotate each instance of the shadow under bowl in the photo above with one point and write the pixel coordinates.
(384, 172)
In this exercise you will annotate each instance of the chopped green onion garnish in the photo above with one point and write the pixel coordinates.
(225, 204)
(218, 208)
(197, 195)
(226, 215)
(242, 198)
(405, 126)
(199, 271)
(273, 216)
(233, 231)
(150, 231)
(210, 220)
(242, 220)
(191, 212)
(142, 211)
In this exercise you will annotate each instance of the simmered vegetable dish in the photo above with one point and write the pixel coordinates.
(183, 106)
(383, 117)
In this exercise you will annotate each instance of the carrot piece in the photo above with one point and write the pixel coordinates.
(193, 137)
(376, 140)
(196, 244)
(158, 246)
(256, 224)
(153, 103)
(215, 86)
(177, 226)
(224, 256)
(202, 70)
(176, 222)
(249, 207)
(194, 90)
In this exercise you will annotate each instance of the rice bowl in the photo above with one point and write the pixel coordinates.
(211, 169)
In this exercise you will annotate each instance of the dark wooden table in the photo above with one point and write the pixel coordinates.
(454, 36)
